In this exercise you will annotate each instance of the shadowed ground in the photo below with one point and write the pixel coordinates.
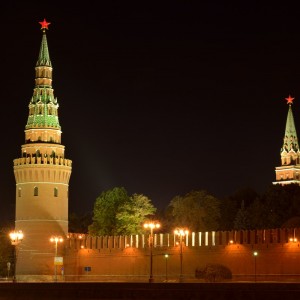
(157, 291)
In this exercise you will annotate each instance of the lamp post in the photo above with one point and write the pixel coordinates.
(166, 257)
(151, 226)
(8, 269)
(56, 240)
(181, 233)
(255, 253)
(15, 237)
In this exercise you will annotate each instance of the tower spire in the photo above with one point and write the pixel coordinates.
(43, 107)
(290, 140)
(289, 171)
(44, 58)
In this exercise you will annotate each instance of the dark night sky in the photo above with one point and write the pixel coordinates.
(158, 98)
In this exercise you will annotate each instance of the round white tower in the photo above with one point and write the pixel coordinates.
(42, 175)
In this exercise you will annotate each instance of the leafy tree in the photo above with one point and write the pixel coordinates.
(197, 210)
(165, 218)
(229, 209)
(293, 222)
(232, 215)
(133, 213)
(281, 203)
(116, 213)
(79, 224)
(257, 215)
(105, 211)
(242, 220)
(246, 195)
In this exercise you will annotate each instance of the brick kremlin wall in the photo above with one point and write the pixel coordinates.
(127, 258)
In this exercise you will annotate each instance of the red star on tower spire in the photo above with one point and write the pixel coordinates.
(289, 100)
(44, 24)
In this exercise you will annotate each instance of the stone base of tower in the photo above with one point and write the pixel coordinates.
(36, 255)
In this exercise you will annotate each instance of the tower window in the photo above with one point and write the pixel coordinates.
(35, 191)
(55, 192)
(19, 192)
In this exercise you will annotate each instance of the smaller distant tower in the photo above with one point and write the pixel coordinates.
(289, 171)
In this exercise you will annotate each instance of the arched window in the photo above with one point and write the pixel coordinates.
(19, 192)
(35, 191)
(55, 192)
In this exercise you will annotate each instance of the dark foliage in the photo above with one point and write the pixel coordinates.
(79, 224)
(213, 273)
(6, 253)
(234, 209)
(196, 210)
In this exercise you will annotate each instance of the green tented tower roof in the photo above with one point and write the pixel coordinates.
(290, 140)
(43, 106)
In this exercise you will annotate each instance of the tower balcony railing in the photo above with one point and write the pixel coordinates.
(43, 160)
(42, 142)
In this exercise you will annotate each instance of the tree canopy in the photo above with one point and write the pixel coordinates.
(133, 213)
(79, 223)
(280, 203)
(117, 213)
(197, 210)
(234, 209)
(273, 209)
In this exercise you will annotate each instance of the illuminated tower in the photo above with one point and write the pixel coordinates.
(289, 171)
(42, 175)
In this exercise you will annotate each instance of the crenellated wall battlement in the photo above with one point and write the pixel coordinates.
(193, 239)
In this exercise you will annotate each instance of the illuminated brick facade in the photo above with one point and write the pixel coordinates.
(126, 258)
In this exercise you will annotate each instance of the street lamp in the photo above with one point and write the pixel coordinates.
(15, 237)
(255, 253)
(166, 257)
(56, 240)
(8, 268)
(151, 226)
(181, 233)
